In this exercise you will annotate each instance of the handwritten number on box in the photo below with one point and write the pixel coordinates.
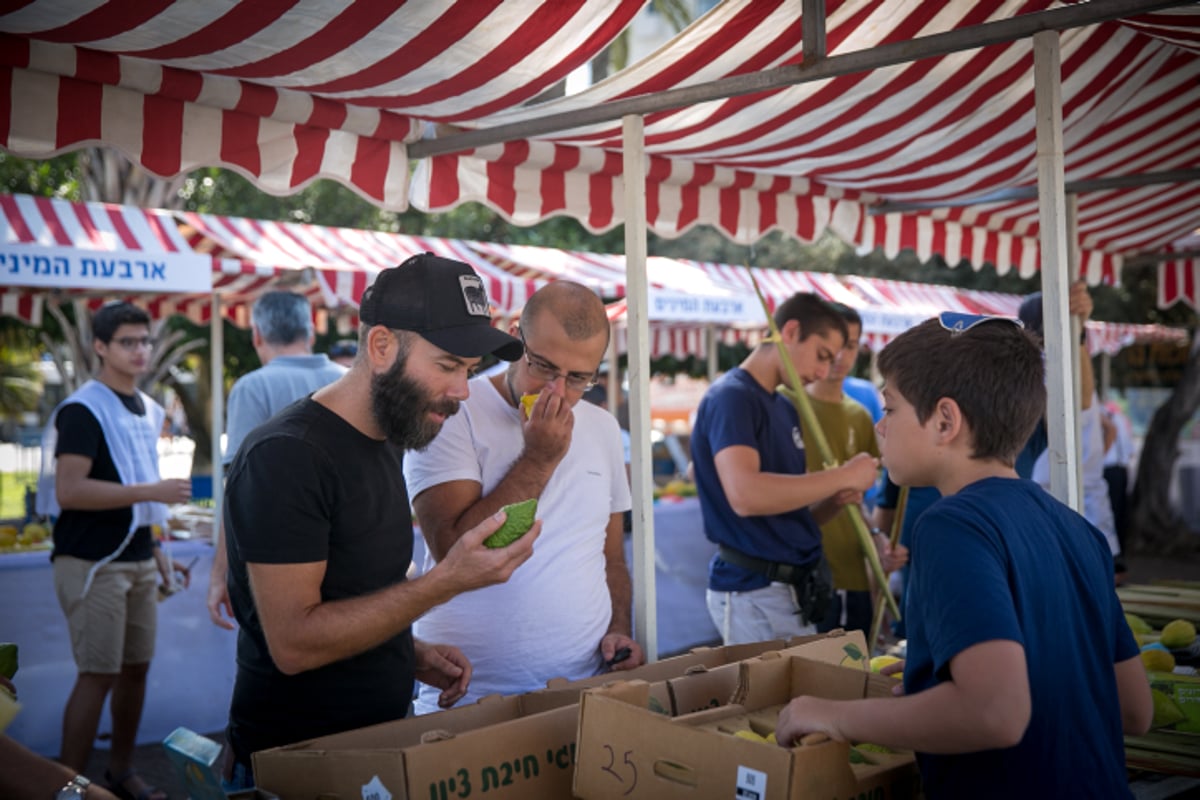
(632, 768)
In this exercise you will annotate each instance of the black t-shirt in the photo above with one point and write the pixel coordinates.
(307, 486)
(93, 535)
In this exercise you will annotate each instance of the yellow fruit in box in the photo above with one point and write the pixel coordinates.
(879, 662)
(1178, 634)
(8, 535)
(1158, 660)
(1137, 624)
(1166, 710)
(36, 532)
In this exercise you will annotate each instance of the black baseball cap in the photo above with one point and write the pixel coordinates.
(444, 301)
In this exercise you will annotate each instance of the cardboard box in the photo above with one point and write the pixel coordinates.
(625, 751)
(1180, 694)
(519, 747)
(491, 746)
(834, 647)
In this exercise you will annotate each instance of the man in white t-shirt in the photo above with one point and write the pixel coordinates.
(567, 612)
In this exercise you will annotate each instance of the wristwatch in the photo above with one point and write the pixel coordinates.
(74, 789)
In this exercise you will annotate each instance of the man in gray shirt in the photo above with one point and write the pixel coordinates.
(281, 324)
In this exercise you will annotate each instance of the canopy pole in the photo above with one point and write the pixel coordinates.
(217, 378)
(645, 599)
(1055, 265)
(1105, 375)
(613, 384)
(711, 346)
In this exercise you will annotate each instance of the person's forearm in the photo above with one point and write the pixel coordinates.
(1087, 378)
(620, 591)
(884, 519)
(340, 629)
(937, 720)
(26, 774)
(88, 494)
(220, 563)
(525, 480)
(767, 493)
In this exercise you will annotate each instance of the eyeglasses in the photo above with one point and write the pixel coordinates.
(957, 322)
(134, 342)
(544, 370)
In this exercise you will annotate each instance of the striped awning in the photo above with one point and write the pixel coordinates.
(288, 92)
(344, 261)
(822, 155)
(282, 92)
(97, 251)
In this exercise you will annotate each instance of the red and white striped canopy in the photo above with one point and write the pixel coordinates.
(282, 92)
(285, 92)
(344, 260)
(93, 250)
(1179, 278)
(820, 155)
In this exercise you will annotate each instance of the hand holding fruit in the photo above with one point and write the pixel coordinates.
(472, 564)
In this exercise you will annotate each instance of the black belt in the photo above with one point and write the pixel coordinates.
(774, 570)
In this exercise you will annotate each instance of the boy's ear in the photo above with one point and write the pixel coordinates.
(791, 330)
(948, 420)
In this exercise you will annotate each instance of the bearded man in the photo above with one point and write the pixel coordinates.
(319, 529)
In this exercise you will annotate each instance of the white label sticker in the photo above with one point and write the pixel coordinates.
(375, 790)
(751, 784)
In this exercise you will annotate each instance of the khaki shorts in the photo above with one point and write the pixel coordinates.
(115, 623)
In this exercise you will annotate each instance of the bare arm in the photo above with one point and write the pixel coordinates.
(985, 705)
(620, 590)
(752, 492)
(76, 491)
(26, 774)
(303, 632)
(218, 590)
(1133, 690)
(1079, 304)
(449, 509)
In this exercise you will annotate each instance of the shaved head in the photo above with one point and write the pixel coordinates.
(577, 308)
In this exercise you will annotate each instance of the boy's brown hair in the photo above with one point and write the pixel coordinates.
(993, 371)
(814, 315)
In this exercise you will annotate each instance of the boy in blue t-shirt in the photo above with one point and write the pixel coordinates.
(1022, 675)
(769, 578)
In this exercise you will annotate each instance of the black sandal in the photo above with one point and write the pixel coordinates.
(116, 785)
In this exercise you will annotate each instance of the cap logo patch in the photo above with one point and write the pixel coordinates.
(474, 295)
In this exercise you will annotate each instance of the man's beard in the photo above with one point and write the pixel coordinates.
(401, 407)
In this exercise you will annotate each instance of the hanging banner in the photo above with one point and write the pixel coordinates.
(669, 306)
(115, 271)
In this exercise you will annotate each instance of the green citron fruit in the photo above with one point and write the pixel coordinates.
(1158, 660)
(1178, 634)
(517, 523)
(1166, 711)
(8, 659)
(1137, 624)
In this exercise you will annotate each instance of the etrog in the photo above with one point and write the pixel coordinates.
(516, 524)
(1178, 634)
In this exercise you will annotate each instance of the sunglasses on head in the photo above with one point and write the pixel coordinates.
(957, 322)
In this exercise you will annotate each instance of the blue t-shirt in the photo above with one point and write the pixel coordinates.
(1002, 559)
(864, 392)
(736, 410)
